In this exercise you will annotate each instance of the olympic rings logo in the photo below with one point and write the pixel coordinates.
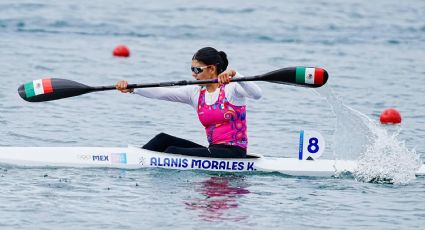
(85, 157)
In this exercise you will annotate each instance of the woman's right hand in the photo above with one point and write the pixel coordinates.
(122, 86)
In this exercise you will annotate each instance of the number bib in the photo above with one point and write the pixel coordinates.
(312, 145)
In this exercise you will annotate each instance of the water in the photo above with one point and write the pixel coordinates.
(372, 51)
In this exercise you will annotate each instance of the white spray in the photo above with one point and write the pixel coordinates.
(382, 158)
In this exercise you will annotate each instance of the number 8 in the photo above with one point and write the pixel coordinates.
(313, 146)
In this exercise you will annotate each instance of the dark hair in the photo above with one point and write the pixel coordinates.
(211, 56)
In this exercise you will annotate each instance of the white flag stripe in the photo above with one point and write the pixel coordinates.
(309, 75)
(38, 87)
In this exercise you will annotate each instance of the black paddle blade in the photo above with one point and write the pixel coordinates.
(312, 77)
(51, 89)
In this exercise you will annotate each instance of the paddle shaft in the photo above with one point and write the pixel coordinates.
(173, 83)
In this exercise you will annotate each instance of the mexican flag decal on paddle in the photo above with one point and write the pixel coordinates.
(312, 76)
(37, 87)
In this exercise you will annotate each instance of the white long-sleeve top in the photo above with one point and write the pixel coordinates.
(236, 93)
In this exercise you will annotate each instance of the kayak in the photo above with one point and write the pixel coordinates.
(311, 145)
(133, 157)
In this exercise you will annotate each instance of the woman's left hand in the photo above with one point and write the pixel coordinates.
(226, 76)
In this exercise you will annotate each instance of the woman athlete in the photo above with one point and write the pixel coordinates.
(221, 108)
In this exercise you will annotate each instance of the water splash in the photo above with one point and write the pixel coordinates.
(381, 157)
(387, 160)
(352, 133)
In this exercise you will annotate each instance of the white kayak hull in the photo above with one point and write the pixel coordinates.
(134, 158)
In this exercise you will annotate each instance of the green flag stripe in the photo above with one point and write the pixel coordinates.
(29, 89)
(300, 74)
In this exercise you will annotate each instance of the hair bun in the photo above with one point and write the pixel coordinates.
(223, 56)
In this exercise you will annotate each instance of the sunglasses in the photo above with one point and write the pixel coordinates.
(197, 70)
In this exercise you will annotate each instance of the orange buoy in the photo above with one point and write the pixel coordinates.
(390, 116)
(121, 51)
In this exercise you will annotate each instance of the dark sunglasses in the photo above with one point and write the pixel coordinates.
(198, 69)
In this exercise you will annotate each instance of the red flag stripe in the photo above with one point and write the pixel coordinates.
(318, 76)
(47, 85)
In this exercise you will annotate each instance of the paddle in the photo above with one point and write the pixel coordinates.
(56, 88)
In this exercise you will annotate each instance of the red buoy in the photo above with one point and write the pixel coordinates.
(121, 51)
(390, 116)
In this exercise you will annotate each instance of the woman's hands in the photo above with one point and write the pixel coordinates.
(122, 86)
(226, 76)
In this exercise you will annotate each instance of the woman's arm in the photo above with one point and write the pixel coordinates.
(180, 94)
(247, 89)
(241, 89)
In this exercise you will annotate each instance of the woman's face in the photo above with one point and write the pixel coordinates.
(207, 71)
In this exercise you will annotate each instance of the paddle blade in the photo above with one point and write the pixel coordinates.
(51, 89)
(302, 76)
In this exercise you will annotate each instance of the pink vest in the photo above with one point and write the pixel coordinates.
(224, 123)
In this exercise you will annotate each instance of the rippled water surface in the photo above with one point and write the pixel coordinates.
(373, 51)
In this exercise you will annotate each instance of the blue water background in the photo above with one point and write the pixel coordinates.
(373, 51)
